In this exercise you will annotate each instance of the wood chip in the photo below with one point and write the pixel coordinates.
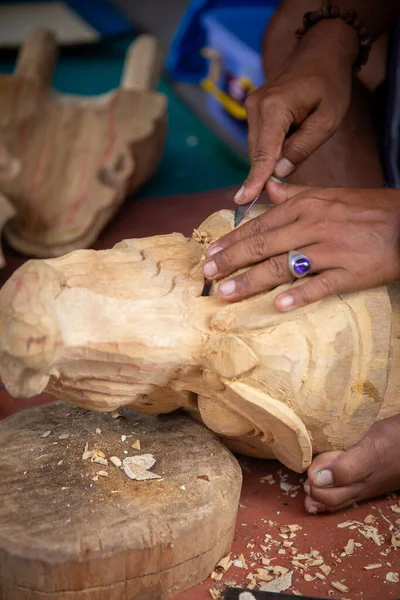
(286, 487)
(281, 584)
(136, 445)
(60, 462)
(325, 569)
(137, 467)
(215, 594)
(264, 575)
(308, 577)
(372, 566)
(117, 462)
(216, 576)
(115, 414)
(320, 576)
(395, 541)
(392, 577)
(370, 519)
(63, 436)
(98, 430)
(349, 547)
(102, 473)
(338, 585)
(46, 434)
(394, 508)
(95, 478)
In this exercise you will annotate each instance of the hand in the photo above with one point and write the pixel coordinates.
(351, 236)
(310, 92)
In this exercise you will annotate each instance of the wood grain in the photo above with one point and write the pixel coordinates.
(63, 536)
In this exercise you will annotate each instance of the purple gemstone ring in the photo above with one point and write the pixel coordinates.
(299, 264)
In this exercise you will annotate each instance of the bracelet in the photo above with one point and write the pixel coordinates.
(350, 17)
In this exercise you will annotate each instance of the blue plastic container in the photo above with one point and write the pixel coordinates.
(236, 34)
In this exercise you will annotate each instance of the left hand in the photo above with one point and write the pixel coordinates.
(351, 236)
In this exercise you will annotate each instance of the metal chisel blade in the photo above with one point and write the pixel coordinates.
(242, 210)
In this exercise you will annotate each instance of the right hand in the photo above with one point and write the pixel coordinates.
(310, 93)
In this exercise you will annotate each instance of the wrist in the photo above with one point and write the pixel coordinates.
(332, 39)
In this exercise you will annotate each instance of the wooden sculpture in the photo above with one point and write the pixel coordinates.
(68, 162)
(128, 326)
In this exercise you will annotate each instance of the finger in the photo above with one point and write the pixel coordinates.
(273, 218)
(312, 133)
(327, 283)
(272, 126)
(253, 127)
(256, 248)
(272, 273)
(279, 192)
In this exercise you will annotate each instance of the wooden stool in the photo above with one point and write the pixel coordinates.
(63, 535)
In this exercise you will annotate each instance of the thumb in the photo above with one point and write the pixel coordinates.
(280, 192)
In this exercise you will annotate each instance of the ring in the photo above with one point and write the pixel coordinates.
(299, 264)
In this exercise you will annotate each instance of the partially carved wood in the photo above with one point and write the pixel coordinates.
(128, 326)
(68, 162)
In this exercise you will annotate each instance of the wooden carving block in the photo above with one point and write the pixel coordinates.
(68, 162)
(128, 327)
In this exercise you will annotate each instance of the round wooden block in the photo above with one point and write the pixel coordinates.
(64, 536)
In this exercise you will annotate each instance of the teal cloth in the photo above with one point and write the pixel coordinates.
(194, 159)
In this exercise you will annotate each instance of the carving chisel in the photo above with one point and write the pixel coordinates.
(240, 213)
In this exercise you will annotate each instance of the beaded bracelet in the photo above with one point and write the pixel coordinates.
(350, 17)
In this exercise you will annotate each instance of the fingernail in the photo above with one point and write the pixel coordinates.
(313, 510)
(285, 302)
(227, 287)
(283, 168)
(213, 250)
(210, 268)
(307, 488)
(323, 478)
(239, 195)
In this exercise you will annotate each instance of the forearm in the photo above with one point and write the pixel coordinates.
(377, 16)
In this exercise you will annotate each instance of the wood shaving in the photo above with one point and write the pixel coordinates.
(320, 576)
(99, 459)
(117, 462)
(395, 508)
(115, 414)
(216, 576)
(308, 577)
(338, 585)
(278, 570)
(95, 478)
(345, 524)
(46, 434)
(392, 577)
(395, 541)
(286, 487)
(325, 569)
(372, 566)
(136, 445)
(225, 563)
(102, 473)
(60, 462)
(123, 438)
(281, 584)
(63, 436)
(215, 594)
(349, 547)
(267, 478)
(290, 528)
(98, 430)
(137, 467)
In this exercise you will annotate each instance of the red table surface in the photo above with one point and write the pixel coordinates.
(264, 507)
